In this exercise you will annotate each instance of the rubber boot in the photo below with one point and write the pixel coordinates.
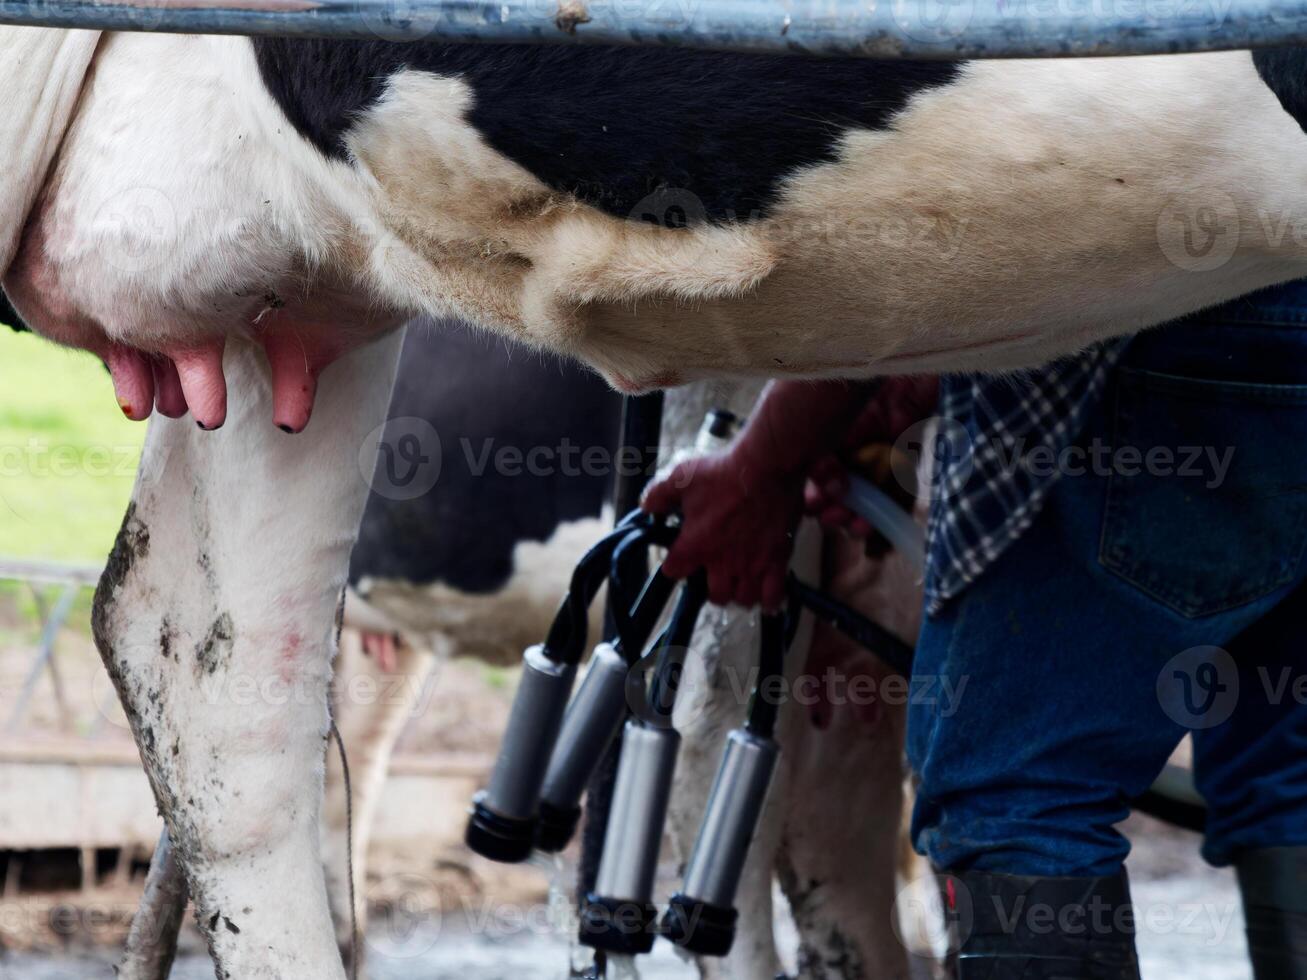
(1019, 927)
(1273, 883)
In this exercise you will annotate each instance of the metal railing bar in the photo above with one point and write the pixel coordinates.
(930, 29)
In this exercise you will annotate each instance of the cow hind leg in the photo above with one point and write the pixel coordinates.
(708, 706)
(711, 702)
(842, 851)
(216, 621)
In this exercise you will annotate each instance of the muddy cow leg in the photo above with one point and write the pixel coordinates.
(216, 620)
(707, 708)
(711, 703)
(724, 645)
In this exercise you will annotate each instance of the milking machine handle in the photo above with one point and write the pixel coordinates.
(674, 643)
(644, 615)
(857, 627)
(566, 640)
(614, 559)
(634, 616)
(774, 640)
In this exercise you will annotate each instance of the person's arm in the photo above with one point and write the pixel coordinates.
(900, 404)
(740, 507)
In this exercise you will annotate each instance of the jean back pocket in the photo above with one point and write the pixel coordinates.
(1206, 506)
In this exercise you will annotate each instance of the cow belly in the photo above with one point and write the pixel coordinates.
(1014, 213)
(1019, 213)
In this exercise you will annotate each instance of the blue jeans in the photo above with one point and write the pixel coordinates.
(1162, 589)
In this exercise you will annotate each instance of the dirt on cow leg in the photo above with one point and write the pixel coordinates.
(131, 544)
(711, 702)
(226, 757)
(216, 621)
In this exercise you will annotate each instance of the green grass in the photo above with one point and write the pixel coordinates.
(67, 455)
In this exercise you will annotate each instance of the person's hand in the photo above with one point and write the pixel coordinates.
(739, 516)
(897, 405)
(823, 497)
(739, 508)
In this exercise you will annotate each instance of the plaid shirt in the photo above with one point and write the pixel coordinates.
(984, 494)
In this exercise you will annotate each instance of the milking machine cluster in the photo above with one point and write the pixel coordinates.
(552, 747)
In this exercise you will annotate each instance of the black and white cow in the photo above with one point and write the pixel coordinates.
(228, 223)
(834, 217)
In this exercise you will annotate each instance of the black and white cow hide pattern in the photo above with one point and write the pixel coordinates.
(670, 215)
